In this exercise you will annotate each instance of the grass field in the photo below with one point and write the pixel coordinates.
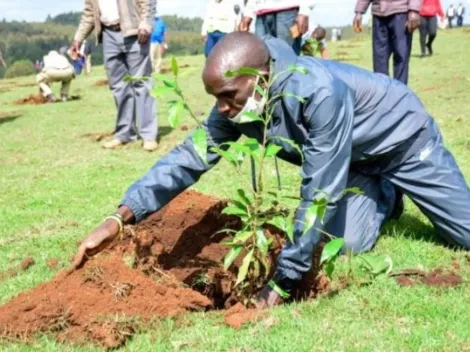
(57, 184)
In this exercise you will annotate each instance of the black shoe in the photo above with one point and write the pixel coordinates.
(398, 207)
(429, 49)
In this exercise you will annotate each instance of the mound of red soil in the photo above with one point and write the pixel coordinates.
(239, 315)
(168, 264)
(32, 99)
(27, 263)
(437, 278)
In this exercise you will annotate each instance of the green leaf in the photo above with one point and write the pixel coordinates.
(262, 242)
(239, 205)
(377, 266)
(253, 147)
(284, 224)
(316, 211)
(290, 95)
(242, 236)
(231, 256)
(162, 78)
(329, 269)
(291, 143)
(200, 143)
(174, 66)
(232, 159)
(353, 190)
(272, 150)
(300, 69)
(234, 211)
(243, 71)
(248, 117)
(243, 197)
(259, 90)
(331, 249)
(243, 270)
(174, 113)
(161, 91)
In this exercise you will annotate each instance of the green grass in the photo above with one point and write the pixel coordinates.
(56, 185)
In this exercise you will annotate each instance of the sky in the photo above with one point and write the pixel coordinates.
(326, 12)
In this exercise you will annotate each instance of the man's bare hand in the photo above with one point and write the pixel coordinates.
(302, 23)
(75, 48)
(143, 36)
(357, 23)
(413, 21)
(245, 24)
(96, 241)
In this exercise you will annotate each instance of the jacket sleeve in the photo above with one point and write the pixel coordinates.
(414, 5)
(178, 170)
(148, 9)
(87, 22)
(362, 5)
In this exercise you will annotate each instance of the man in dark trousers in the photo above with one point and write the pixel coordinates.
(355, 128)
(393, 24)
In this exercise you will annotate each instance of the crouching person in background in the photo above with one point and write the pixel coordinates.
(56, 69)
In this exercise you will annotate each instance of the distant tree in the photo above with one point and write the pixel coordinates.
(20, 68)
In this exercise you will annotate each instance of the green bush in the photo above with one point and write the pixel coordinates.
(20, 68)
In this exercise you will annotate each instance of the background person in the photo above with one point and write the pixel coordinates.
(158, 43)
(283, 19)
(85, 52)
(460, 14)
(428, 24)
(219, 20)
(316, 44)
(56, 69)
(392, 33)
(124, 28)
(451, 15)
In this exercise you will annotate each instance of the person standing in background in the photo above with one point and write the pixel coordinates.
(316, 43)
(393, 24)
(85, 52)
(220, 19)
(460, 14)
(451, 15)
(158, 43)
(430, 9)
(124, 28)
(283, 19)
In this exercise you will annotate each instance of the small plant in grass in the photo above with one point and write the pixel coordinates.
(258, 205)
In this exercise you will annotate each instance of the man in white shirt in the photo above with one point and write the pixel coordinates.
(283, 19)
(451, 15)
(56, 69)
(220, 19)
(124, 28)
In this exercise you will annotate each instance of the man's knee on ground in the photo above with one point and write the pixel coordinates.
(357, 245)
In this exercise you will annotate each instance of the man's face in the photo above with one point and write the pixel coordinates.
(231, 93)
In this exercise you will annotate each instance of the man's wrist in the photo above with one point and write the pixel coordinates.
(128, 216)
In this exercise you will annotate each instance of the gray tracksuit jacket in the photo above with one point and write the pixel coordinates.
(351, 117)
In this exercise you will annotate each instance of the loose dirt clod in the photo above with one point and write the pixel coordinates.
(52, 263)
(239, 315)
(32, 99)
(26, 263)
(101, 83)
(437, 277)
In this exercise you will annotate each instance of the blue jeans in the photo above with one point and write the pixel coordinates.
(278, 24)
(212, 40)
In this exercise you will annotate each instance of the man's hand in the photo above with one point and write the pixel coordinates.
(143, 36)
(302, 23)
(357, 23)
(96, 241)
(413, 21)
(75, 48)
(245, 24)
